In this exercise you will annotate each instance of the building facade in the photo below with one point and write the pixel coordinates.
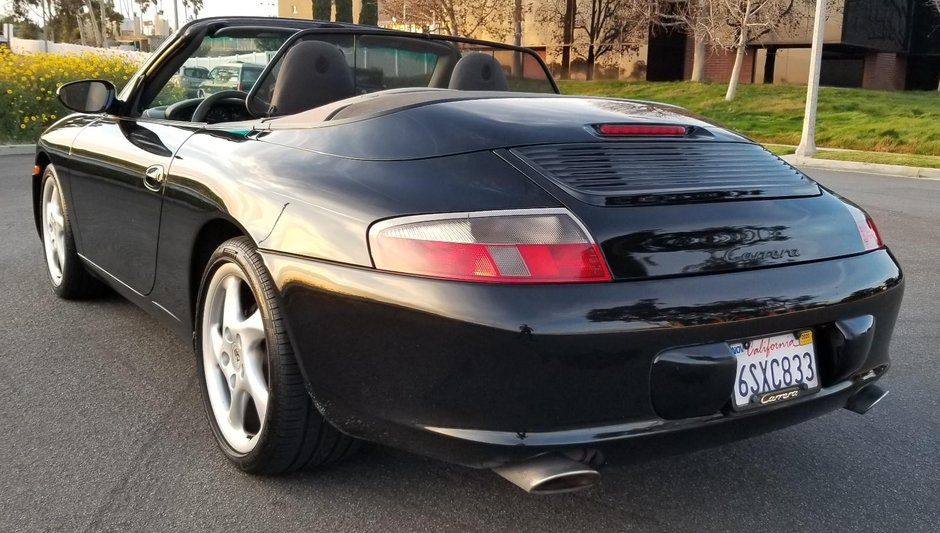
(875, 44)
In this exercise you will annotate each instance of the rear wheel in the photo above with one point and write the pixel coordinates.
(256, 401)
(67, 274)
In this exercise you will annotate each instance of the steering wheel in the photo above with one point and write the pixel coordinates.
(177, 111)
(199, 115)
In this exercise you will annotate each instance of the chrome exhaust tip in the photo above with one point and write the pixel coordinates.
(551, 473)
(862, 401)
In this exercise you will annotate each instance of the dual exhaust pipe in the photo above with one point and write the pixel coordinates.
(557, 473)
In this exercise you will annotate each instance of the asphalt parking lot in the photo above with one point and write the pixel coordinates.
(103, 429)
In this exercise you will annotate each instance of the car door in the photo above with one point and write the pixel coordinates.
(118, 166)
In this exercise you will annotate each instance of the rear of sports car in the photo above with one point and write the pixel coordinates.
(672, 287)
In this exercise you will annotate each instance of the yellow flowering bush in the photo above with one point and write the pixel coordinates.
(28, 103)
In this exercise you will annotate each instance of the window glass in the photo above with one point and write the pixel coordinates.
(219, 64)
(381, 62)
(250, 75)
(196, 73)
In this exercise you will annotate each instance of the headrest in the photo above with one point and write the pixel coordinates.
(312, 74)
(478, 72)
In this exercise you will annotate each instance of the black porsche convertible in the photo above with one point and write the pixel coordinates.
(415, 240)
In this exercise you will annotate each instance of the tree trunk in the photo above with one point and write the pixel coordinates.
(698, 58)
(739, 58)
(104, 25)
(567, 37)
(81, 31)
(322, 9)
(517, 37)
(369, 14)
(45, 33)
(590, 62)
(344, 11)
(94, 23)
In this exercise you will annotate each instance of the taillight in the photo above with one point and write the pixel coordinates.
(640, 129)
(521, 246)
(867, 230)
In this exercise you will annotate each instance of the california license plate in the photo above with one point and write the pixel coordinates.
(774, 369)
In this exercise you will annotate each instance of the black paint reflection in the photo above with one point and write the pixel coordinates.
(654, 310)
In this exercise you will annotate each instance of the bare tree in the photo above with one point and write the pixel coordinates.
(608, 23)
(597, 26)
(691, 17)
(733, 24)
(558, 17)
(727, 24)
(567, 24)
(741, 48)
(467, 18)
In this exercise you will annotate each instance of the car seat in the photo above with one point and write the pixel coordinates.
(312, 74)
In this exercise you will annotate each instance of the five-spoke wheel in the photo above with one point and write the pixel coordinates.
(53, 230)
(67, 274)
(258, 406)
(235, 358)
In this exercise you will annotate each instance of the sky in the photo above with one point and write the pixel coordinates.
(210, 8)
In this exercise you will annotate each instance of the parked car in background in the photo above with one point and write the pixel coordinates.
(191, 78)
(232, 77)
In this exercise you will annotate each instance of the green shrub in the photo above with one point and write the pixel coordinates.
(28, 104)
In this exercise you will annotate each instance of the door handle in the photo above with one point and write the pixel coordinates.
(154, 178)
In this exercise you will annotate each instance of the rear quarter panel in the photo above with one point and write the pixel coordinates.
(312, 205)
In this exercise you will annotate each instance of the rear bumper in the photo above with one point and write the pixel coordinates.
(483, 374)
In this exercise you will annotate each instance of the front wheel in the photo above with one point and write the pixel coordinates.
(258, 407)
(67, 274)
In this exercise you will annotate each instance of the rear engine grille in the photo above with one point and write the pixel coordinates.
(642, 172)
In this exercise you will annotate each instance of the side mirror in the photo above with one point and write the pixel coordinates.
(87, 96)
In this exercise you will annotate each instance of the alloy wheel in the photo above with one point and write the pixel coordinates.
(235, 358)
(53, 231)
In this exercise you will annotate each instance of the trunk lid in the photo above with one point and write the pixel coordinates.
(667, 207)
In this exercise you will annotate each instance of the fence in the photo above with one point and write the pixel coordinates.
(260, 58)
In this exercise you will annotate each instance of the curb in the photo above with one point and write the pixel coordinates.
(17, 149)
(868, 168)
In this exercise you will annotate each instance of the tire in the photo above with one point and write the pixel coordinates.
(67, 274)
(255, 397)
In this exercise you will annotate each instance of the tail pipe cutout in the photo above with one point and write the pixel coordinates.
(553, 473)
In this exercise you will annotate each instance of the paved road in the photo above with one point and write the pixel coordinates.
(103, 429)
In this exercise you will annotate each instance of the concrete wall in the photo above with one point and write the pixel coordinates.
(297, 9)
(800, 31)
(29, 46)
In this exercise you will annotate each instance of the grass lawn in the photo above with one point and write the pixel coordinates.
(901, 122)
(780, 149)
(881, 158)
(911, 160)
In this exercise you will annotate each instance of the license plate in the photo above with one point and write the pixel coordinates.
(774, 369)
